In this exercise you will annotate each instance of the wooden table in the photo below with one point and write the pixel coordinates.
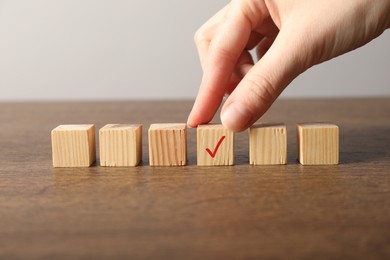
(192, 212)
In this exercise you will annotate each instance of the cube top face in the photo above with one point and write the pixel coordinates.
(168, 144)
(167, 126)
(268, 125)
(268, 144)
(85, 127)
(318, 144)
(120, 145)
(73, 145)
(119, 127)
(215, 145)
(317, 126)
(211, 126)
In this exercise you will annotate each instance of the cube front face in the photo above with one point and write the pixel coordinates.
(318, 144)
(167, 145)
(268, 144)
(73, 145)
(120, 145)
(215, 145)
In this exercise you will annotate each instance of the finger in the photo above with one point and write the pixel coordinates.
(254, 40)
(263, 47)
(237, 77)
(268, 29)
(205, 33)
(244, 64)
(224, 50)
(263, 83)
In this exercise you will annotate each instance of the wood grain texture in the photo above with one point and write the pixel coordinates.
(167, 144)
(229, 212)
(73, 145)
(120, 145)
(267, 144)
(215, 145)
(318, 143)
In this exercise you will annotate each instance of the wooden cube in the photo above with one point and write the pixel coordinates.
(167, 145)
(318, 143)
(73, 145)
(267, 144)
(120, 145)
(215, 145)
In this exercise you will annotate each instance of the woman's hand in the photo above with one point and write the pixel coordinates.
(290, 36)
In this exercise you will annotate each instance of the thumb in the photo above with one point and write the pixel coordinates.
(263, 83)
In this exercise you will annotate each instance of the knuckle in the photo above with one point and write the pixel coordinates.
(200, 36)
(261, 90)
(251, 11)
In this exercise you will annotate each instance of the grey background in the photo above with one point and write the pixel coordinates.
(112, 49)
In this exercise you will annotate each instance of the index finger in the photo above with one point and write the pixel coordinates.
(225, 48)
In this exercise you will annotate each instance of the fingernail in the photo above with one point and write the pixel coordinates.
(236, 117)
(189, 125)
(189, 121)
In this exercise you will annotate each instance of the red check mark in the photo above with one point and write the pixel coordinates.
(213, 153)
